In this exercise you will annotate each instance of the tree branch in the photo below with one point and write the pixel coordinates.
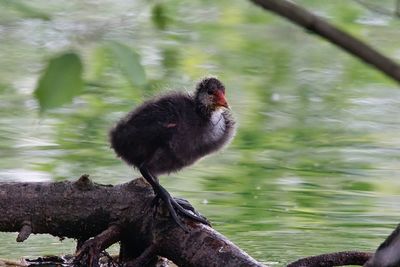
(342, 39)
(100, 215)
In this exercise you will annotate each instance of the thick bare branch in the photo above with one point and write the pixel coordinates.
(103, 215)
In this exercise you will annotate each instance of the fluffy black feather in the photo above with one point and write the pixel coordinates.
(172, 131)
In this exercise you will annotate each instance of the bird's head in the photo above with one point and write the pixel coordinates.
(210, 94)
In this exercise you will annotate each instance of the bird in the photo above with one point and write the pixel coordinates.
(172, 131)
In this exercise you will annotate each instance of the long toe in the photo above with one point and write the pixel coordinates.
(194, 215)
(187, 206)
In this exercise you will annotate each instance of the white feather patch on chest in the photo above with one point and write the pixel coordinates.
(217, 125)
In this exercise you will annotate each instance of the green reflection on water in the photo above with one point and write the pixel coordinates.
(314, 164)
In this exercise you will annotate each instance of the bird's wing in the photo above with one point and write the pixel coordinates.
(157, 121)
(165, 114)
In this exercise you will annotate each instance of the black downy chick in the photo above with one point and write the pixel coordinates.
(173, 131)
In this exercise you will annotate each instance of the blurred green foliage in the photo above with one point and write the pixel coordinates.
(22, 9)
(60, 82)
(159, 16)
(129, 62)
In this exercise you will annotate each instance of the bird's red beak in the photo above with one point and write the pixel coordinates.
(221, 100)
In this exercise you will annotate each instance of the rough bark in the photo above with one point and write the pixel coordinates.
(100, 215)
(336, 36)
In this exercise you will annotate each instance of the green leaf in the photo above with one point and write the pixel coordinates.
(60, 82)
(129, 62)
(159, 16)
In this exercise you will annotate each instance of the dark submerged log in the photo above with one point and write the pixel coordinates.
(101, 215)
(387, 254)
(333, 259)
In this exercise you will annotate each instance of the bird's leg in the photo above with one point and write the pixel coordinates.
(161, 192)
(171, 203)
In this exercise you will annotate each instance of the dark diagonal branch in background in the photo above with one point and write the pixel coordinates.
(397, 8)
(342, 39)
(377, 8)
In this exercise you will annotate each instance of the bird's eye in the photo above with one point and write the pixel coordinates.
(210, 92)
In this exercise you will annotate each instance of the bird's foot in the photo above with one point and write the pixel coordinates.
(188, 207)
(180, 205)
(180, 201)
